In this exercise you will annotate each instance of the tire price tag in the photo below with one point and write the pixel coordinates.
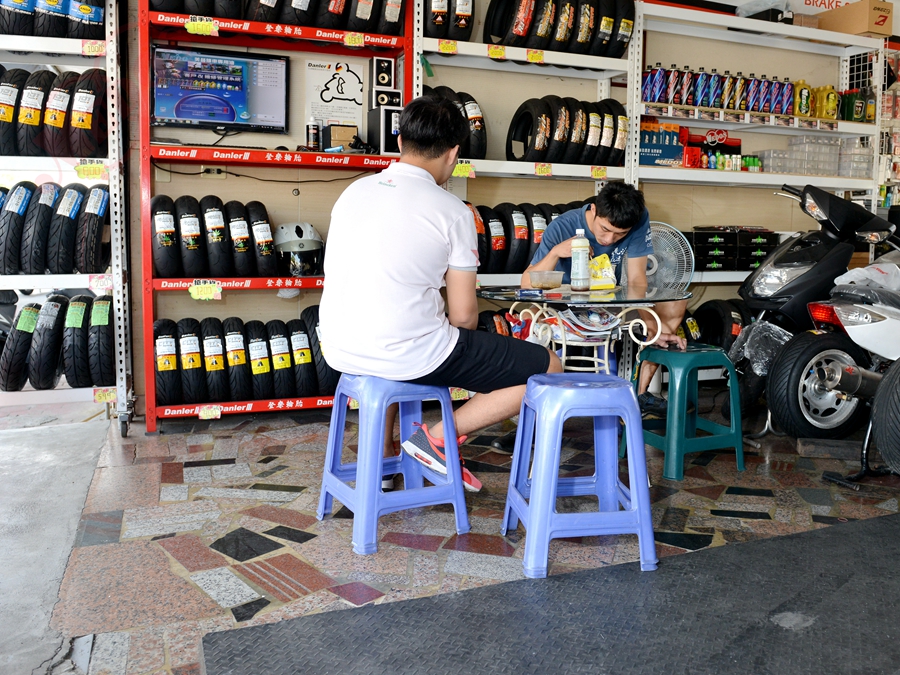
(205, 289)
(92, 171)
(534, 56)
(201, 25)
(101, 284)
(354, 40)
(457, 394)
(448, 47)
(104, 394)
(463, 169)
(93, 48)
(598, 172)
(543, 169)
(209, 412)
(497, 52)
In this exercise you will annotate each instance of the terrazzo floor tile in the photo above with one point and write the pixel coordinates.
(173, 493)
(95, 529)
(248, 610)
(137, 575)
(243, 545)
(192, 553)
(357, 593)
(172, 472)
(290, 534)
(300, 521)
(239, 470)
(479, 543)
(150, 522)
(483, 566)
(197, 475)
(118, 487)
(223, 586)
(116, 455)
(251, 495)
(183, 637)
(109, 655)
(146, 652)
(421, 542)
(691, 542)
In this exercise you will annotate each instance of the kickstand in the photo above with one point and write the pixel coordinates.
(769, 428)
(852, 481)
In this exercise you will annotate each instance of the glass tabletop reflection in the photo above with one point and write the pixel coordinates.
(564, 295)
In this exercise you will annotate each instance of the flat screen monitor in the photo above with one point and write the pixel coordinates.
(228, 91)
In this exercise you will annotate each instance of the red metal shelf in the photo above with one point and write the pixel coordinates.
(242, 407)
(242, 284)
(269, 158)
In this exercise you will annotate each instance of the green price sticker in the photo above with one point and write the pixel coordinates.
(75, 315)
(27, 320)
(100, 313)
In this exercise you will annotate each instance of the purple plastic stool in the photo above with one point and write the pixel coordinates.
(549, 401)
(366, 500)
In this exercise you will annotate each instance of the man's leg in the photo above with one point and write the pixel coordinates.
(671, 314)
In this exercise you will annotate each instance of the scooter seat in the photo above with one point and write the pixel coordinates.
(871, 295)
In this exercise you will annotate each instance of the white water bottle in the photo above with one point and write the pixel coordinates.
(581, 256)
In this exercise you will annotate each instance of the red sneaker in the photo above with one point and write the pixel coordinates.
(429, 451)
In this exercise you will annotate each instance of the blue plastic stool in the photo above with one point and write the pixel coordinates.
(550, 400)
(366, 500)
(680, 437)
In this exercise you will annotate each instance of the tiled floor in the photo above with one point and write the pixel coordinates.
(212, 526)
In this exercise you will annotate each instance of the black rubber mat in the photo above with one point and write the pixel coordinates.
(819, 602)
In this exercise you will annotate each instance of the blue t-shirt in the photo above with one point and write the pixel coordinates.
(637, 243)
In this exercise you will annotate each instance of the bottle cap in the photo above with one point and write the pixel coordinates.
(579, 232)
(674, 66)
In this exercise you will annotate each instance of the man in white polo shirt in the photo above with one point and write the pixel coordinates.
(396, 238)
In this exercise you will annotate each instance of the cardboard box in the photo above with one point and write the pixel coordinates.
(662, 155)
(872, 18)
(338, 134)
(806, 20)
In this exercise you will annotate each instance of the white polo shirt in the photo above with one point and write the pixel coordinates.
(393, 235)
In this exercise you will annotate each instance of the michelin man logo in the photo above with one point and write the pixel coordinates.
(344, 85)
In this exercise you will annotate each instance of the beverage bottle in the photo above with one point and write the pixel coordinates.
(672, 78)
(715, 89)
(740, 92)
(727, 90)
(775, 96)
(687, 86)
(701, 88)
(581, 257)
(752, 100)
(787, 97)
(765, 88)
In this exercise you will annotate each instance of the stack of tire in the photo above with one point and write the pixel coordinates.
(194, 239)
(53, 229)
(80, 19)
(213, 361)
(475, 146)
(71, 336)
(594, 27)
(565, 130)
(384, 17)
(44, 114)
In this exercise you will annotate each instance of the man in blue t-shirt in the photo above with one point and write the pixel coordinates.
(615, 223)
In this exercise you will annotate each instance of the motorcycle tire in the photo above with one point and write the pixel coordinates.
(165, 241)
(606, 22)
(560, 126)
(193, 374)
(237, 366)
(720, 323)
(305, 379)
(57, 112)
(550, 212)
(743, 310)
(36, 229)
(219, 259)
(165, 362)
(92, 221)
(594, 133)
(484, 245)
(213, 335)
(64, 229)
(886, 417)
(450, 95)
(260, 361)
(282, 365)
(796, 407)
(436, 18)
(45, 353)
(515, 225)
(237, 223)
(583, 27)
(223, 9)
(390, 20)
(751, 387)
(537, 223)
(332, 14)
(188, 217)
(170, 6)
(530, 126)
(461, 20)
(326, 375)
(87, 23)
(263, 245)
(12, 222)
(30, 118)
(621, 35)
(499, 244)
(607, 133)
(542, 26)
(363, 15)
(12, 85)
(14, 358)
(76, 331)
(257, 10)
(578, 131)
(200, 7)
(17, 20)
(88, 123)
(477, 144)
(562, 29)
(617, 153)
(102, 342)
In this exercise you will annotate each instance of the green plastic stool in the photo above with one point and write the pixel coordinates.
(680, 437)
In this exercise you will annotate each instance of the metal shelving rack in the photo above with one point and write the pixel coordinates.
(158, 26)
(80, 53)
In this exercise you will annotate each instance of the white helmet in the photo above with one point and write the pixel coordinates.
(300, 249)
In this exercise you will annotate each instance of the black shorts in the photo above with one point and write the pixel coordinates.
(484, 362)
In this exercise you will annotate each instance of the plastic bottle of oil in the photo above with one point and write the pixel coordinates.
(804, 105)
(581, 258)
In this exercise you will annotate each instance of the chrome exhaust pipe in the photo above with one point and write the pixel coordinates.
(851, 380)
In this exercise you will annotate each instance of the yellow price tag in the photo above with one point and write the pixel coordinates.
(457, 394)
(534, 56)
(448, 47)
(497, 52)
(104, 394)
(210, 412)
(205, 290)
(93, 48)
(90, 171)
(201, 25)
(353, 404)
(598, 172)
(463, 170)
(543, 169)
(354, 40)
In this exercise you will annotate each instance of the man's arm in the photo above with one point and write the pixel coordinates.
(462, 304)
(670, 313)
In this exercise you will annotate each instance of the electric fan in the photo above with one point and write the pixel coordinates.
(671, 265)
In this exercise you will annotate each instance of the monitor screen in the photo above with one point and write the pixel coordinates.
(220, 90)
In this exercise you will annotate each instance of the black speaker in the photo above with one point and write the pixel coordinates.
(383, 129)
(381, 73)
(380, 97)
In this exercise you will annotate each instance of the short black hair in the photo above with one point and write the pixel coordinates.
(429, 127)
(621, 204)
